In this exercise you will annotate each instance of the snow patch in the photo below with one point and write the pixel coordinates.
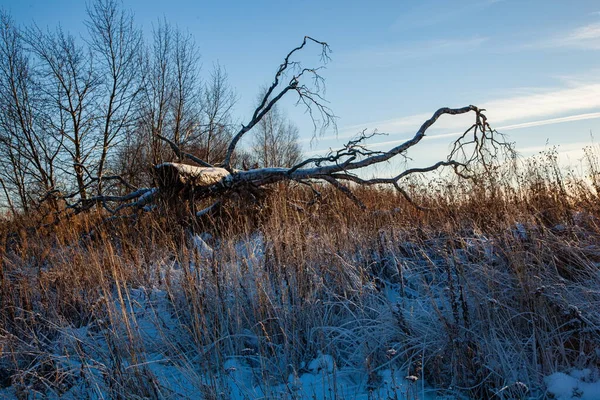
(323, 362)
(575, 385)
(203, 249)
(203, 176)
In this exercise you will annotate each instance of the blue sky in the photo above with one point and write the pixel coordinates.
(534, 65)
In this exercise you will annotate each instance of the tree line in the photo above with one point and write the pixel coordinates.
(86, 117)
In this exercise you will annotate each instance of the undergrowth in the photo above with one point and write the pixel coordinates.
(492, 289)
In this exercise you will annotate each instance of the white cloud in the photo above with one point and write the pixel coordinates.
(591, 31)
(520, 111)
(524, 108)
(536, 108)
(549, 121)
(388, 56)
(547, 103)
(586, 37)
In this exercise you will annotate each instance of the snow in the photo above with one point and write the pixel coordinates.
(203, 249)
(146, 197)
(147, 327)
(323, 362)
(201, 175)
(84, 353)
(520, 231)
(577, 384)
(324, 383)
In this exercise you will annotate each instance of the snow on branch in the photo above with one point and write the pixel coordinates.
(477, 149)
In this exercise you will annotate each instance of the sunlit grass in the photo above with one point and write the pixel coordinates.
(494, 288)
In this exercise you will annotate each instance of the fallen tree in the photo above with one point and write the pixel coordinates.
(194, 179)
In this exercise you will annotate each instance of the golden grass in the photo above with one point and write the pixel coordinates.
(497, 285)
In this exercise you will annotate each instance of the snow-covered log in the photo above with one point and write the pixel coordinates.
(472, 151)
(183, 175)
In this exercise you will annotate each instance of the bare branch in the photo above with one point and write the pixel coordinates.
(345, 190)
(345, 164)
(409, 199)
(209, 209)
(310, 98)
(183, 155)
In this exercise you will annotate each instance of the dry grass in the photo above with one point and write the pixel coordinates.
(493, 289)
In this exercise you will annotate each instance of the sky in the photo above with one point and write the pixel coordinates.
(533, 65)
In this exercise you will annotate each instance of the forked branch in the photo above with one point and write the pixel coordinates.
(309, 96)
(479, 147)
(345, 165)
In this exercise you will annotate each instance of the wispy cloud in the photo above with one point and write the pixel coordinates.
(389, 56)
(584, 37)
(537, 108)
(551, 121)
(515, 111)
(587, 32)
(545, 103)
(505, 128)
(428, 13)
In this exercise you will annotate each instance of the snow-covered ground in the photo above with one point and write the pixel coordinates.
(153, 338)
(371, 329)
(576, 384)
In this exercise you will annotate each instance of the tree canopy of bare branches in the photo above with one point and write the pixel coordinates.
(479, 145)
(117, 123)
(275, 141)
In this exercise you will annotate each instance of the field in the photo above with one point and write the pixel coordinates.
(492, 293)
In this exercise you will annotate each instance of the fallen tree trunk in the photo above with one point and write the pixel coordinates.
(477, 148)
(178, 177)
(337, 167)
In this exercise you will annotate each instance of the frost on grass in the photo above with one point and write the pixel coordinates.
(390, 316)
(144, 341)
(346, 383)
(149, 340)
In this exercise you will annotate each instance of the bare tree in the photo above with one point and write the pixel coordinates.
(210, 133)
(68, 81)
(186, 101)
(275, 141)
(157, 93)
(217, 105)
(170, 102)
(116, 43)
(27, 151)
(133, 156)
